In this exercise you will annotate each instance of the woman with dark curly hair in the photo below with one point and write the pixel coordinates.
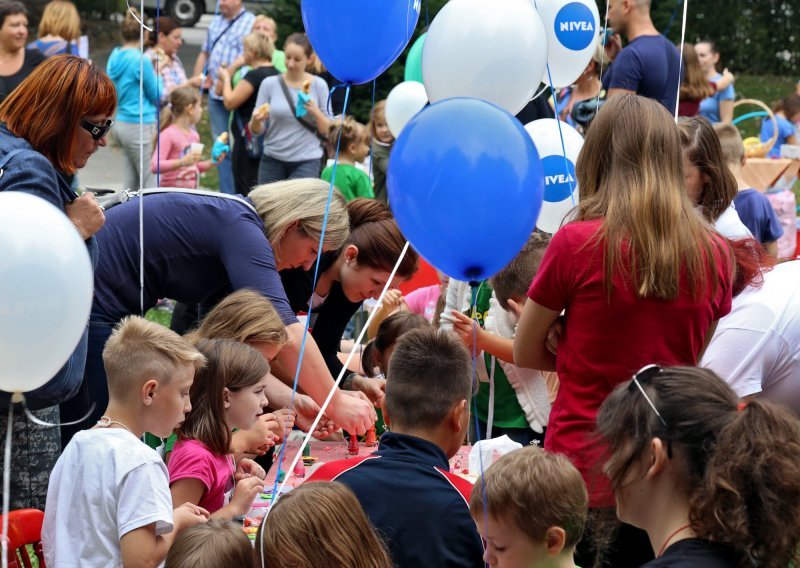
(715, 482)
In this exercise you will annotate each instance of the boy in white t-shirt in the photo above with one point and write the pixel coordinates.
(108, 503)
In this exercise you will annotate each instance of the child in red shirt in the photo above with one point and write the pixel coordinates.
(642, 278)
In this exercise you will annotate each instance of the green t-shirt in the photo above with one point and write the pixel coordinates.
(351, 181)
(279, 60)
(507, 411)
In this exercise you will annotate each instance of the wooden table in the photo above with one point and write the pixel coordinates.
(763, 173)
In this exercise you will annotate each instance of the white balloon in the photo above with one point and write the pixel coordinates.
(403, 102)
(495, 51)
(560, 184)
(572, 34)
(46, 285)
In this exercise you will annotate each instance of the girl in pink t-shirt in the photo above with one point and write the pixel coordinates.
(641, 277)
(177, 159)
(227, 393)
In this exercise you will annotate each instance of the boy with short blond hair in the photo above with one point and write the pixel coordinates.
(753, 207)
(108, 503)
(530, 509)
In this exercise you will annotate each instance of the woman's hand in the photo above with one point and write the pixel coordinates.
(355, 415)
(284, 420)
(374, 389)
(86, 214)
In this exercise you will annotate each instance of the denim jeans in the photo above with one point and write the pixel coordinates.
(219, 124)
(270, 169)
(93, 389)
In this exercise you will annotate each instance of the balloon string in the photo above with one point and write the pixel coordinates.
(310, 300)
(372, 126)
(135, 17)
(347, 361)
(330, 97)
(40, 422)
(560, 132)
(208, 57)
(539, 94)
(680, 61)
(7, 484)
(141, 163)
(602, 60)
(158, 98)
(475, 389)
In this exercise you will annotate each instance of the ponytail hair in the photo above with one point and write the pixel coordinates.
(389, 332)
(742, 462)
(374, 231)
(352, 131)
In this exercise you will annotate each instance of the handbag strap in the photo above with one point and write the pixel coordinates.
(230, 25)
(307, 125)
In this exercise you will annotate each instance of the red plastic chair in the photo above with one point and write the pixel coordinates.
(24, 527)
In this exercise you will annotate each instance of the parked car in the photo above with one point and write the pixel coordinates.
(188, 12)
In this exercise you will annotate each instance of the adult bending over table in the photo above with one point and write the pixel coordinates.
(357, 271)
(49, 128)
(198, 249)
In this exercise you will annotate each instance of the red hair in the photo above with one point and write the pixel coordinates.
(46, 108)
(751, 263)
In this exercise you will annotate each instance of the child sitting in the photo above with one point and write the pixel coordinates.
(530, 509)
(406, 487)
(319, 524)
(353, 148)
(214, 544)
(108, 502)
(177, 159)
(228, 393)
(382, 141)
(752, 206)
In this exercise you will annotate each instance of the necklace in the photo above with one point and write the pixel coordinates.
(106, 422)
(670, 537)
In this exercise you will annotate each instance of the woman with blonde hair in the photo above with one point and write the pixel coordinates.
(59, 29)
(199, 248)
(642, 278)
(319, 524)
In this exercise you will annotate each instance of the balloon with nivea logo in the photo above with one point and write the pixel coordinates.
(572, 28)
(465, 185)
(357, 40)
(560, 183)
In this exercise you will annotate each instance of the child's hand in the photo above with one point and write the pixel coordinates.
(245, 493)
(247, 468)
(392, 301)
(467, 330)
(188, 515)
(284, 420)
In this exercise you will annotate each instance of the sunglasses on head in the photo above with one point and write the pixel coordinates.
(642, 377)
(96, 130)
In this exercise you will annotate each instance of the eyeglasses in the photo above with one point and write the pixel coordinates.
(643, 376)
(97, 131)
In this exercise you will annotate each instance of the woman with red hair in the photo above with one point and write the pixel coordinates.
(49, 128)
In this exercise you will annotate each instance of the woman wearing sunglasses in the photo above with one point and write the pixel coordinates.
(714, 482)
(49, 128)
(641, 278)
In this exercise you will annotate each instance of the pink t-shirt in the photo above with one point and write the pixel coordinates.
(422, 301)
(191, 459)
(173, 144)
(606, 341)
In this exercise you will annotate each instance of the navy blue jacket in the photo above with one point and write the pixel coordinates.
(419, 508)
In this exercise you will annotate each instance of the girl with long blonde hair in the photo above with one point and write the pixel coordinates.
(640, 275)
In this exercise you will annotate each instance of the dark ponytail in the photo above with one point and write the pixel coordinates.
(390, 330)
(743, 465)
(374, 231)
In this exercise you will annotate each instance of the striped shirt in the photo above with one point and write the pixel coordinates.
(173, 75)
(229, 46)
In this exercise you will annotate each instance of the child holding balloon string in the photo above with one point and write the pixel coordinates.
(352, 139)
(641, 278)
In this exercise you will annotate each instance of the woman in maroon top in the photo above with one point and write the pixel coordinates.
(642, 278)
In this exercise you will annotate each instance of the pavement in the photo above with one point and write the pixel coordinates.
(104, 168)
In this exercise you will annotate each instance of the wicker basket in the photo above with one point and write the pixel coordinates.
(753, 147)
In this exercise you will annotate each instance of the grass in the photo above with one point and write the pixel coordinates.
(765, 88)
(210, 179)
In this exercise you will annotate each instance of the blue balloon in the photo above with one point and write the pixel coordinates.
(465, 183)
(357, 40)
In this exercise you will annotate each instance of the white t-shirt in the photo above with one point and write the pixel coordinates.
(105, 484)
(730, 226)
(756, 347)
